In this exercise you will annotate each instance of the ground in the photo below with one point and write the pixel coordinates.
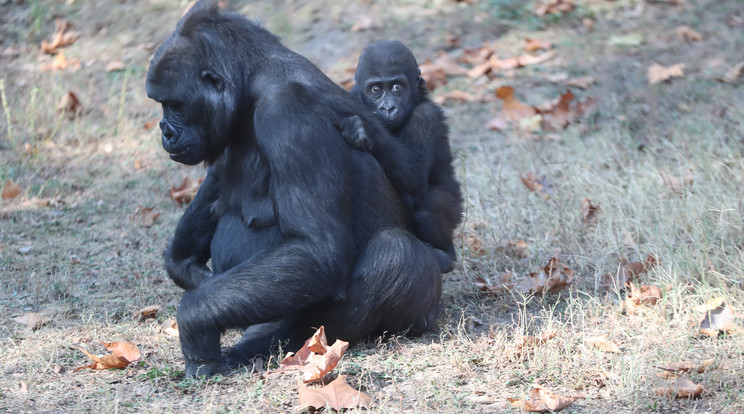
(80, 246)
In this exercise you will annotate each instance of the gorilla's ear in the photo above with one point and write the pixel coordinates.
(214, 79)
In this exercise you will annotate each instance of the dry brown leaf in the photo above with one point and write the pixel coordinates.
(513, 110)
(494, 289)
(589, 212)
(529, 340)
(517, 248)
(682, 388)
(474, 244)
(627, 273)
(679, 366)
(366, 22)
(70, 104)
(186, 192)
(170, 327)
(122, 354)
(541, 400)
(127, 350)
(10, 190)
(720, 319)
(536, 185)
(146, 216)
(33, 321)
(555, 276)
(645, 296)
(151, 123)
(534, 45)
(115, 66)
(61, 38)
(337, 395)
(453, 95)
(560, 112)
(657, 73)
(148, 312)
(733, 75)
(448, 64)
(315, 359)
(434, 76)
(603, 343)
(555, 7)
(60, 62)
(686, 34)
(677, 185)
(478, 55)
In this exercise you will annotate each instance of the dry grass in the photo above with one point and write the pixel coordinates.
(83, 258)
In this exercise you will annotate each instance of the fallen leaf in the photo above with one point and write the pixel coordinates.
(115, 66)
(677, 367)
(603, 343)
(686, 34)
(645, 296)
(657, 73)
(536, 185)
(677, 185)
(513, 110)
(720, 319)
(589, 212)
(530, 341)
(33, 321)
(366, 22)
(453, 95)
(148, 312)
(534, 45)
(474, 244)
(555, 276)
(315, 359)
(61, 37)
(733, 75)
(494, 289)
(337, 395)
(563, 110)
(70, 104)
(170, 327)
(555, 7)
(186, 192)
(478, 55)
(118, 358)
(448, 64)
(127, 350)
(146, 216)
(627, 273)
(541, 400)
(151, 123)
(682, 388)
(10, 190)
(517, 248)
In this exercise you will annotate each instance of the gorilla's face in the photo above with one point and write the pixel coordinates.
(391, 98)
(196, 109)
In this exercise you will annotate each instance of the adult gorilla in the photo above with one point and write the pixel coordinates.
(337, 252)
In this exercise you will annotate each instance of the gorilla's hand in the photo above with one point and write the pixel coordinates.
(186, 273)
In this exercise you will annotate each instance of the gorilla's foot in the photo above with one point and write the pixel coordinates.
(195, 369)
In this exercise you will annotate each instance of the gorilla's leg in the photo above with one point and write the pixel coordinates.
(395, 286)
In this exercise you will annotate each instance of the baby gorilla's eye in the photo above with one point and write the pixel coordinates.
(375, 89)
(397, 87)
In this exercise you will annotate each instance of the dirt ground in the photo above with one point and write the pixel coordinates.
(663, 164)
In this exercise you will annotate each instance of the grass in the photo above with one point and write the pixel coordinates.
(73, 248)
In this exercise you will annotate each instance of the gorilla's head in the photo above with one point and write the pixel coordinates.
(195, 89)
(387, 81)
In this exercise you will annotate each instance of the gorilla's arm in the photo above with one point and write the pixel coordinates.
(405, 165)
(310, 185)
(188, 252)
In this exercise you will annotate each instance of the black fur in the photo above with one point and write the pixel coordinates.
(387, 81)
(302, 229)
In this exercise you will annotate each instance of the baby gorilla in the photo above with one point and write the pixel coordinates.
(388, 82)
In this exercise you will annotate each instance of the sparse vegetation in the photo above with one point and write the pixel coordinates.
(81, 243)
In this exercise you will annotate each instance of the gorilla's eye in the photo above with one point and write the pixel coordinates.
(397, 87)
(375, 89)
